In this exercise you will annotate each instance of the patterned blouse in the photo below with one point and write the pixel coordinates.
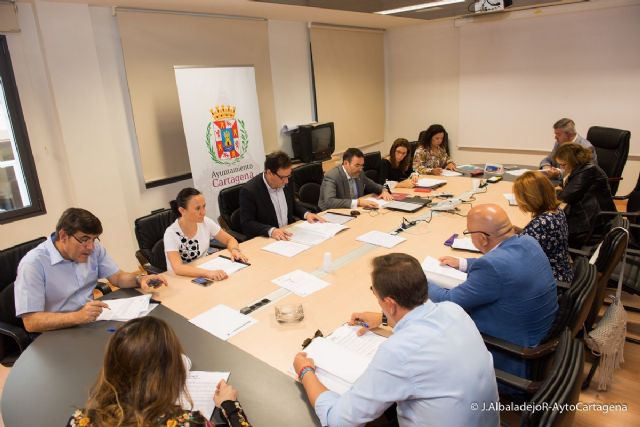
(551, 231)
(424, 161)
(231, 410)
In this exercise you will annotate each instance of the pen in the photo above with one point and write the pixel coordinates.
(338, 213)
(239, 327)
(230, 259)
(363, 323)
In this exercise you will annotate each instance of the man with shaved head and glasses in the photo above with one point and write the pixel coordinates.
(55, 282)
(510, 292)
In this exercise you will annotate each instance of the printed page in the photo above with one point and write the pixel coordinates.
(124, 309)
(327, 229)
(447, 172)
(465, 244)
(336, 219)
(202, 386)
(285, 248)
(306, 237)
(226, 265)
(300, 283)
(442, 275)
(223, 321)
(381, 239)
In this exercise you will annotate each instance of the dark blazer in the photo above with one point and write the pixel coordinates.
(257, 213)
(586, 192)
(388, 172)
(335, 192)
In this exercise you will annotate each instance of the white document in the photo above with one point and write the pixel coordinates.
(442, 275)
(465, 244)
(306, 237)
(328, 229)
(202, 386)
(226, 265)
(285, 248)
(447, 172)
(341, 359)
(511, 198)
(429, 182)
(379, 202)
(223, 321)
(124, 309)
(381, 239)
(300, 283)
(517, 172)
(336, 219)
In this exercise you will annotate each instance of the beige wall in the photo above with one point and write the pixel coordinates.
(423, 87)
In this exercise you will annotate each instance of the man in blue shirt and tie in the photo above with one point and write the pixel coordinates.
(435, 366)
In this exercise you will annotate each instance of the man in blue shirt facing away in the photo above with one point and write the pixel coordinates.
(435, 366)
(510, 292)
(54, 286)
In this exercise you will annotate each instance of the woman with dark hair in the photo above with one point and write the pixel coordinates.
(188, 237)
(398, 166)
(432, 154)
(143, 380)
(535, 195)
(585, 189)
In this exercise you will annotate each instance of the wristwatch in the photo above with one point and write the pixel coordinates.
(384, 320)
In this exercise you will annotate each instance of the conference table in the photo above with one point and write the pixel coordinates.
(55, 373)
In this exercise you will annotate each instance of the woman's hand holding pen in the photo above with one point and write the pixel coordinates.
(368, 320)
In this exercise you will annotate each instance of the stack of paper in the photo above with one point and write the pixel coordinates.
(342, 357)
(224, 264)
(337, 219)
(464, 244)
(511, 198)
(305, 235)
(124, 309)
(442, 275)
(201, 386)
(223, 321)
(285, 248)
(430, 183)
(381, 239)
(300, 283)
(447, 172)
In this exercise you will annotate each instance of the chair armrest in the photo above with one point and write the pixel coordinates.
(615, 178)
(238, 236)
(103, 287)
(150, 269)
(517, 382)
(526, 353)
(562, 286)
(19, 335)
(580, 252)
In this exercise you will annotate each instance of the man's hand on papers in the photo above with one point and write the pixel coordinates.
(364, 203)
(385, 195)
(302, 361)
(224, 392)
(151, 282)
(368, 320)
(450, 261)
(90, 311)
(311, 217)
(281, 234)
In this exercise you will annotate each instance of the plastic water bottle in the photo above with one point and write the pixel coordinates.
(326, 262)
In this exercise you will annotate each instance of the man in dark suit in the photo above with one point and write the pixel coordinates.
(344, 186)
(267, 204)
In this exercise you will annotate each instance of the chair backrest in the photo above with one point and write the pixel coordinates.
(561, 386)
(581, 293)
(611, 252)
(228, 202)
(372, 165)
(612, 148)
(149, 231)
(310, 193)
(10, 258)
(309, 172)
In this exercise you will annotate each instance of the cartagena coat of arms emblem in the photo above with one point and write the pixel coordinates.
(227, 138)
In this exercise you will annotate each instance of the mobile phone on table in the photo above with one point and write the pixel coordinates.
(494, 179)
(202, 281)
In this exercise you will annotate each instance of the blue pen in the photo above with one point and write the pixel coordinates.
(363, 323)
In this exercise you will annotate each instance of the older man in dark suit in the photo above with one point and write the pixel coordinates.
(344, 186)
(267, 204)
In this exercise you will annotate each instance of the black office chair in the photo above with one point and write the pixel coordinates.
(149, 231)
(372, 165)
(560, 387)
(306, 184)
(612, 148)
(229, 205)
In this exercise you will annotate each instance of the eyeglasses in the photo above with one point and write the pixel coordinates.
(307, 341)
(86, 240)
(283, 177)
